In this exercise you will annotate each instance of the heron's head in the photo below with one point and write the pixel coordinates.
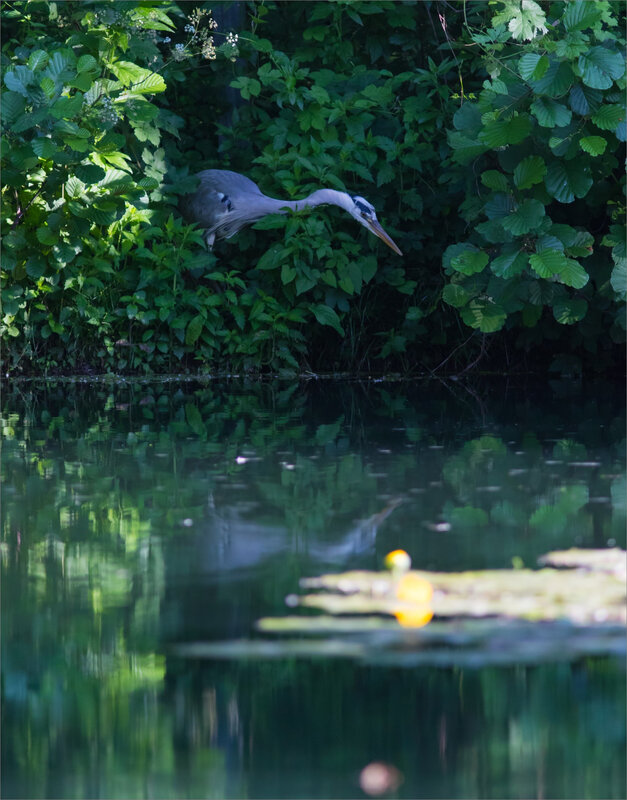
(364, 213)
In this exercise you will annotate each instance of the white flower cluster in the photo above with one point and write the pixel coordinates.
(108, 113)
(231, 38)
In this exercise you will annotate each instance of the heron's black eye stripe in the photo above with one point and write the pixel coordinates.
(364, 209)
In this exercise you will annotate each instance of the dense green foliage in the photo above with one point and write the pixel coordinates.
(488, 137)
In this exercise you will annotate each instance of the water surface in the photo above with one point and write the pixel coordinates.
(137, 516)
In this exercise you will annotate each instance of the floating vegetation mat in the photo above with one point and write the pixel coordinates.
(575, 605)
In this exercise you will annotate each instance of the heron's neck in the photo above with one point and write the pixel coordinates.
(318, 198)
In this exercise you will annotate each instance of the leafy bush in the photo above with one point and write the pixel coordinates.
(109, 109)
(545, 139)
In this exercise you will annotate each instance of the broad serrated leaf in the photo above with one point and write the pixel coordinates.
(484, 315)
(584, 100)
(455, 295)
(594, 145)
(89, 173)
(455, 250)
(87, 63)
(13, 104)
(566, 180)
(327, 316)
(550, 113)
(494, 179)
(618, 280)
(47, 236)
(532, 66)
(499, 206)
(498, 133)
(74, 187)
(573, 274)
(470, 262)
(509, 264)
(43, 147)
(547, 263)
(137, 79)
(37, 60)
(530, 170)
(556, 80)
(527, 217)
(608, 117)
(581, 14)
(600, 67)
(569, 311)
(194, 329)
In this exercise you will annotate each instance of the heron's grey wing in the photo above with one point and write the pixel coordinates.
(221, 201)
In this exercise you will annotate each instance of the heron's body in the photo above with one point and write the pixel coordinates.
(225, 202)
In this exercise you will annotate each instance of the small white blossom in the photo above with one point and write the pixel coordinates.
(167, 39)
(189, 29)
(179, 46)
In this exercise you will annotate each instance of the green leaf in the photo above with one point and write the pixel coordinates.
(527, 217)
(608, 117)
(455, 295)
(550, 113)
(594, 145)
(584, 100)
(17, 80)
(505, 131)
(87, 63)
(74, 187)
(470, 262)
(548, 263)
(37, 60)
(581, 14)
(485, 315)
(532, 66)
(556, 80)
(569, 311)
(566, 180)
(194, 329)
(327, 316)
(573, 274)
(618, 280)
(494, 179)
(137, 79)
(600, 67)
(47, 236)
(13, 104)
(43, 147)
(509, 264)
(67, 107)
(249, 87)
(89, 173)
(530, 170)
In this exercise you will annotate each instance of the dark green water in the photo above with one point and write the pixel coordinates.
(136, 517)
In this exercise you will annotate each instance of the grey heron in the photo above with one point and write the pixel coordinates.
(225, 202)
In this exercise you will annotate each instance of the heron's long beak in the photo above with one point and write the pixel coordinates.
(373, 225)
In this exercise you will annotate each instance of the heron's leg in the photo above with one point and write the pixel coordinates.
(209, 239)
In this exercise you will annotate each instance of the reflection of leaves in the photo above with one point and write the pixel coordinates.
(549, 519)
(467, 517)
(328, 433)
(194, 419)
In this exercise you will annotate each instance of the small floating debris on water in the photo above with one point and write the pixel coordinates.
(439, 527)
(379, 778)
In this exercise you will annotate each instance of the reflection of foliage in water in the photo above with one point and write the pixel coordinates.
(98, 482)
